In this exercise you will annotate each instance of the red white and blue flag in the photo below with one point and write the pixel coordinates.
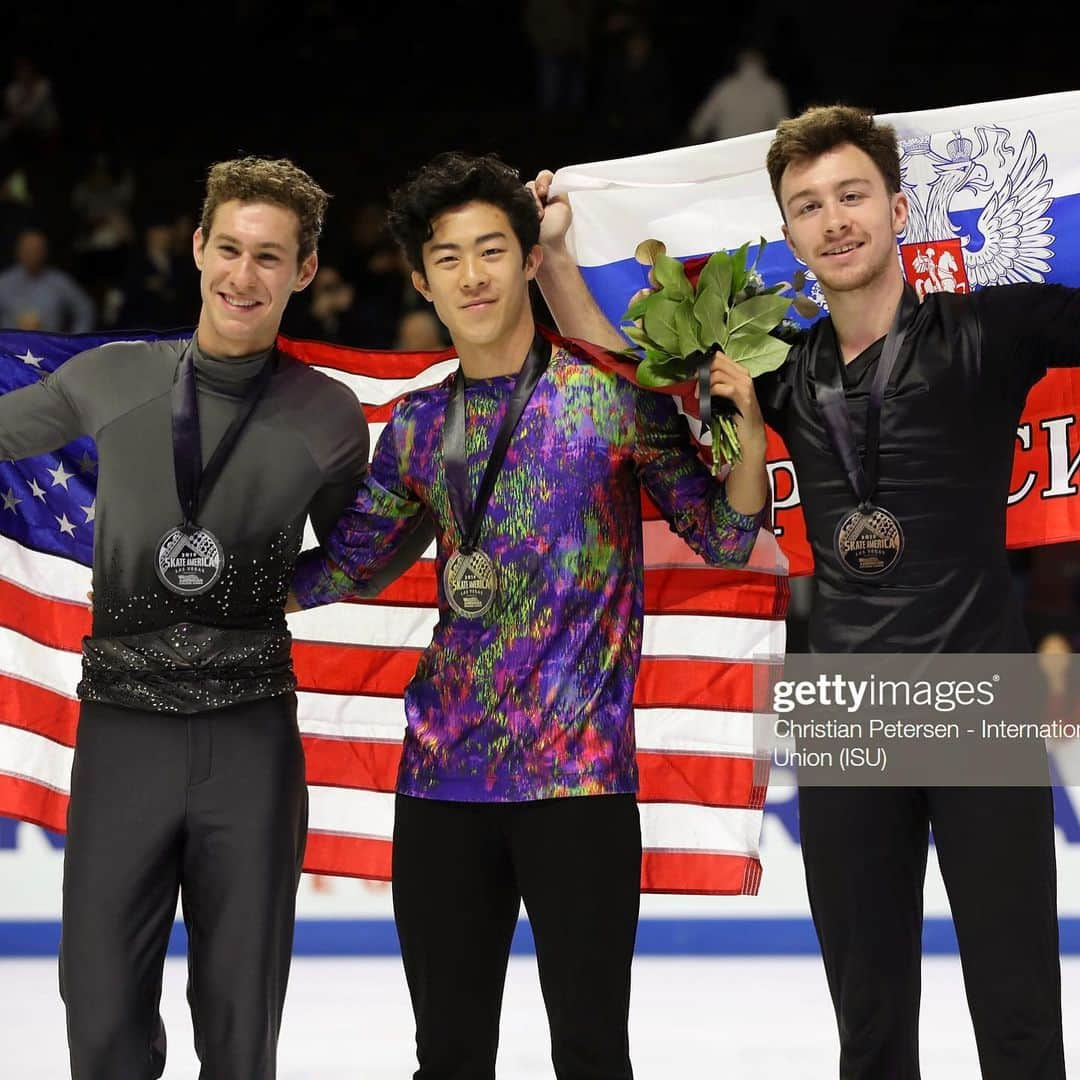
(710, 636)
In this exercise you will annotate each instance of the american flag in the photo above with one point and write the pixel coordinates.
(711, 636)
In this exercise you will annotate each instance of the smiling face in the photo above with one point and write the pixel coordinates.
(249, 270)
(841, 220)
(476, 275)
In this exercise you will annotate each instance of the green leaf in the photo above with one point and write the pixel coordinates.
(660, 324)
(640, 338)
(716, 275)
(671, 277)
(739, 268)
(757, 352)
(710, 311)
(652, 372)
(757, 257)
(687, 328)
(761, 312)
(637, 309)
(799, 280)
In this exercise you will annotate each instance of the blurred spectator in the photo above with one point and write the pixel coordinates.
(330, 313)
(1049, 580)
(373, 264)
(185, 271)
(30, 121)
(420, 330)
(102, 200)
(16, 207)
(559, 32)
(747, 100)
(1061, 705)
(36, 296)
(104, 234)
(154, 294)
(635, 93)
(369, 242)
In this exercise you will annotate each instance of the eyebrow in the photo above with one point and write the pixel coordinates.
(264, 244)
(839, 184)
(446, 246)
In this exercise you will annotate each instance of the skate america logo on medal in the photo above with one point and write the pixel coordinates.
(189, 560)
(976, 209)
(470, 583)
(869, 542)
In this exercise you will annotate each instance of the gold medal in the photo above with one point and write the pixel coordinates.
(869, 541)
(470, 583)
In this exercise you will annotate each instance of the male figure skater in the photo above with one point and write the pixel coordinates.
(934, 394)
(189, 773)
(518, 774)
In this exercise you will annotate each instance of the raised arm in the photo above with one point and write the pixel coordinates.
(567, 296)
(1027, 328)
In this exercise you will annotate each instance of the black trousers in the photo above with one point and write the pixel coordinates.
(212, 807)
(461, 871)
(865, 852)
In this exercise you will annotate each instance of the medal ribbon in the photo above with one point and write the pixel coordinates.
(862, 472)
(453, 443)
(193, 482)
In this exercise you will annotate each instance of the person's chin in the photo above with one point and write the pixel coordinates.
(475, 332)
(850, 279)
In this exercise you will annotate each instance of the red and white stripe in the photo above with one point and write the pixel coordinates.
(710, 638)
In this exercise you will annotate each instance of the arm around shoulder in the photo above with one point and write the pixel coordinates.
(375, 537)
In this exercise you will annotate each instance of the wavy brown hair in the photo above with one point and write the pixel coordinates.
(267, 180)
(825, 127)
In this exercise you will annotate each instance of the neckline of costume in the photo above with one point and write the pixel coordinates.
(230, 374)
(499, 382)
(855, 372)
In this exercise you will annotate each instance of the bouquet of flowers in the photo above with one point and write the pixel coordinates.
(728, 307)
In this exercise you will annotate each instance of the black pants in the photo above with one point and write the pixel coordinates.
(865, 853)
(461, 871)
(213, 807)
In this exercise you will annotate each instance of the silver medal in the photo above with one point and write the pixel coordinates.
(189, 561)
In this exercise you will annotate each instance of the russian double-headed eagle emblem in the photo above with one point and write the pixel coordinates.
(977, 210)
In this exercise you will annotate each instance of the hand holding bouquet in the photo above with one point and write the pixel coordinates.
(681, 323)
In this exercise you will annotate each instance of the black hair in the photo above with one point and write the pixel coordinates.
(453, 179)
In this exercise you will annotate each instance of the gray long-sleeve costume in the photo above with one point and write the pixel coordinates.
(302, 452)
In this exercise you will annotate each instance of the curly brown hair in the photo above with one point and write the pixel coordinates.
(267, 180)
(825, 127)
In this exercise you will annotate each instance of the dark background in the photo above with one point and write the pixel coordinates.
(360, 94)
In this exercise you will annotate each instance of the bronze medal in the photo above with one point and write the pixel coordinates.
(869, 542)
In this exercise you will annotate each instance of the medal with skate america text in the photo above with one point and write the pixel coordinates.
(868, 541)
(470, 579)
(190, 558)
